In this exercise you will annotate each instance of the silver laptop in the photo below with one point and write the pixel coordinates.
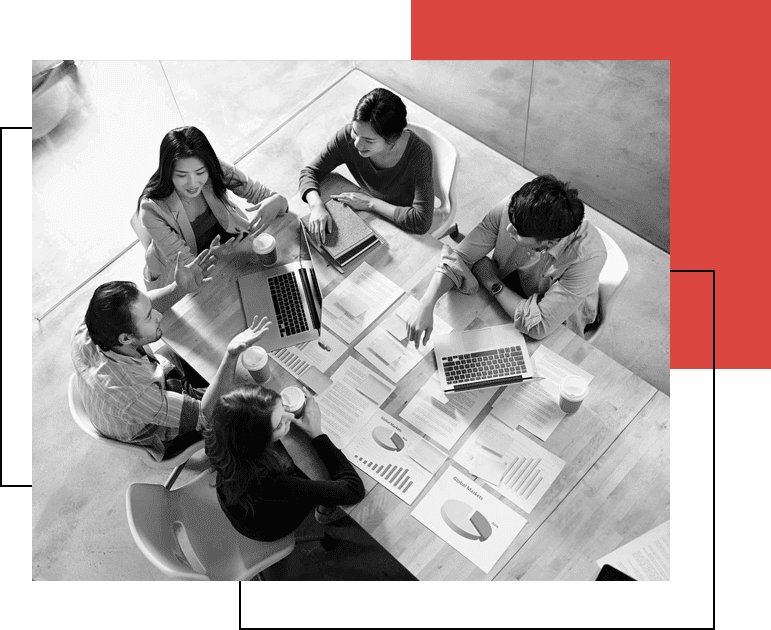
(289, 296)
(485, 357)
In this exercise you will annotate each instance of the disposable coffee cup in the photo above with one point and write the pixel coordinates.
(265, 247)
(255, 360)
(293, 399)
(573, 390)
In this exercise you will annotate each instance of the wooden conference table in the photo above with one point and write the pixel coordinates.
(582, 515)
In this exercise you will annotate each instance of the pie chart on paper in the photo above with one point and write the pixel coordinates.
(388, 439)
(465, 521)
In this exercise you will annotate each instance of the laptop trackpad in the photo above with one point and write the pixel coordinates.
(477, 339)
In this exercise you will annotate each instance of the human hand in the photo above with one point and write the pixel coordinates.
(195, 274)
(310, 421)
(486, 271)
(225, 250)
(267, 210)
(318, 224)
(248, 337)
(420, 323)
(357, 201)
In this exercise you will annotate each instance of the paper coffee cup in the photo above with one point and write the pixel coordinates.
(573, 390)
(293, 399)
(255, 360)
(265, 247)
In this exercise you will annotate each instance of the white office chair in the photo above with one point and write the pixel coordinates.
(612, 277)
(445, 166)
(185, 534)
(141, 230)
(177, 462)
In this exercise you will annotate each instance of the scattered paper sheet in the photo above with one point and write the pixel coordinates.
(442, 417)
(387, 347)
(469, 518)
(316, 380)
(358, 301)
(359, 377)
(321, 353)
(644, 558)
(343, 412)
(388, 451)
(529, 469)
(535, 406)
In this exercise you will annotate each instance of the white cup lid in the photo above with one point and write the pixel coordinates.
(263, 244)
(255, 358)
(573, 387)
(292, 397)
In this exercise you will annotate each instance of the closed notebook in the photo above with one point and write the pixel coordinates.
(350, 235)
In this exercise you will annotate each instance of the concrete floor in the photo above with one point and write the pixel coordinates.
(87, 175)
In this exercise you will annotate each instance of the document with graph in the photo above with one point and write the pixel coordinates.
(320, 353)
(387, 346)
(444, 417)
(358, 301)
(519, 468)
(394, 456)
(469, 518)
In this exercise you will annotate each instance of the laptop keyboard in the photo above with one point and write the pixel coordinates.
(289, 307)
(484, 366)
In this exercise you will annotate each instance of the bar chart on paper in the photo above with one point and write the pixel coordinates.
(389, 452)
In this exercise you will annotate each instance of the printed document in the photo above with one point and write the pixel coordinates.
(535, 406)
(358, 301)
(526, 468)
(444, 417)
(470, 519)
(359, 377)
(387, 347)
(344, 411)
(645, 558)
(321, 353)
(394, 456)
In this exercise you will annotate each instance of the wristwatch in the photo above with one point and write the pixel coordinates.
(496, 287)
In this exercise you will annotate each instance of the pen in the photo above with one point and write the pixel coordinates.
(324, 346)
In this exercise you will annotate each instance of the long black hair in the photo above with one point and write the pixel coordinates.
(239, 441)
(180, 143)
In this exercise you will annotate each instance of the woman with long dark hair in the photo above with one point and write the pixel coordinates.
(185, 205)
(390, 164)
(263, 493)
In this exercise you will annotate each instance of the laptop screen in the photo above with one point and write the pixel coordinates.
(305, 252)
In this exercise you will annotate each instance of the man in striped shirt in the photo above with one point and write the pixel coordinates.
(123, 384)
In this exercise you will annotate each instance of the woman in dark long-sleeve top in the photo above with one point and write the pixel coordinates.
(262, 491)
(391, 164)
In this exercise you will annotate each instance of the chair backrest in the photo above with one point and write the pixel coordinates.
(613, 275)
(186, 535)
(141, 231)
(445, 161)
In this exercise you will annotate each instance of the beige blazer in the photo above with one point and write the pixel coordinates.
(170, 230)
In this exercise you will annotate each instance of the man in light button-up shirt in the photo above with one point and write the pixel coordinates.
(545, 267)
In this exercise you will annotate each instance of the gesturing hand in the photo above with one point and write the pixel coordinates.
(267, 211)
(225, 250)
(420, 324)
(357, 201)
(192, 276)
(249, 337)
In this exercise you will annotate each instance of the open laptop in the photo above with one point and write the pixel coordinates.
(485, 357)
(289, 296)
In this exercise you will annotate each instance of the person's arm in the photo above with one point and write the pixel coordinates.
(222, 382)
(310, 183)
(168, 242)
(187, 278)
(268, 204)
(538, 316)
(421, 322)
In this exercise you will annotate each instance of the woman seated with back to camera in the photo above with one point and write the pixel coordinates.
(388, 161)
(262, 491)
(186, 209)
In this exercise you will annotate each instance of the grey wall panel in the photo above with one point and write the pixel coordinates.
(486, 99)
(604, 125)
